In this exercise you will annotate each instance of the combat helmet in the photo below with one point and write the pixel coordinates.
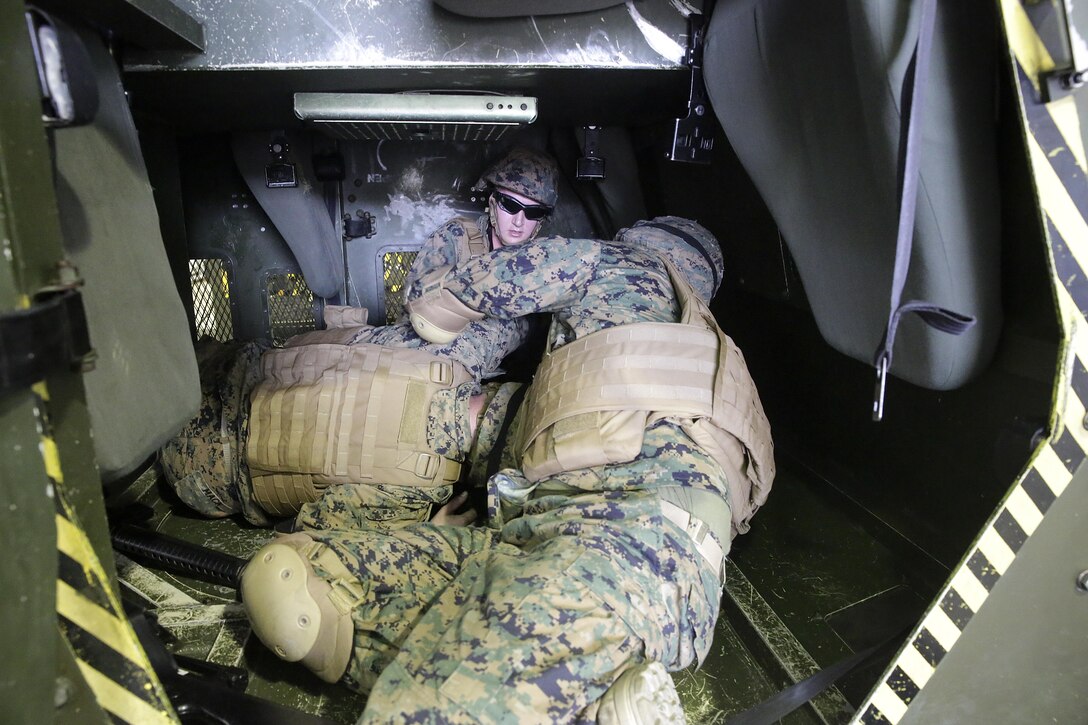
(527, 172)
(685, 243)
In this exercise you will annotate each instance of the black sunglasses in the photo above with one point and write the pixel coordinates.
(510, 205)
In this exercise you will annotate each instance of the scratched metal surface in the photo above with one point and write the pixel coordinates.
(286, 34)
(621, 66)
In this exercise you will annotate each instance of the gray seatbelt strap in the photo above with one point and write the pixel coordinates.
(776, 707)
(933, 315)
(692, 242)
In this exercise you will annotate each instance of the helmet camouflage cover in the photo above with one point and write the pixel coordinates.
(685, 243)
(527, 172)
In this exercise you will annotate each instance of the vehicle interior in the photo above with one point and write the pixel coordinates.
(243, 165)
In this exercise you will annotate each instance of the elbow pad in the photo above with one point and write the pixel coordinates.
(439, 317)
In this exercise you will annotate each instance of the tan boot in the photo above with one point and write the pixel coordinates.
(643, 695)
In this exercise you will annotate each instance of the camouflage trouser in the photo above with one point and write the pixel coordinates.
(368, 505)
(533, 622)
(206, 463)
(434, 594)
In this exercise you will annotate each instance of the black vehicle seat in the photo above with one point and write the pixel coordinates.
(145, 384)
(808, 96)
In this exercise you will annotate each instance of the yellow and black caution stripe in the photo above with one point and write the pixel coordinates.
(1052, 134)
(90, 616)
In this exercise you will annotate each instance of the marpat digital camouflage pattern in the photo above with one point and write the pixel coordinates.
(443, 249)
(699, 257)
(206, 463)
(538, 617)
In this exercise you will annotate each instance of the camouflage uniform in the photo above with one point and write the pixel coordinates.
(219, 484)
(481, 348)
(570, 594)
(595, 535)
(525, 171)
(356, 505)
(441, 250)
(588, 577)
(205, 463)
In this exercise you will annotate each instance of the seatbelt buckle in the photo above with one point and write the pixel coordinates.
(878, 390)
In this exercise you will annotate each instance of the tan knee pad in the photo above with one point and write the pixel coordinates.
(296, 613)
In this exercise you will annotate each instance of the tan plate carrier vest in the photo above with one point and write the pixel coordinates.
(592, 400)
(333, 413)
(329, 413)
(471, 245)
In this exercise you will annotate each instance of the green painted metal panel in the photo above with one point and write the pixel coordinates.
(26, 516)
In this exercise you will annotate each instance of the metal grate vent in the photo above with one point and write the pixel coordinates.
(413, 131)
(211, 298)
(290, 306)
(395, 266)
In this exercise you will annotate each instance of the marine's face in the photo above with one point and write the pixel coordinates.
(510, 212)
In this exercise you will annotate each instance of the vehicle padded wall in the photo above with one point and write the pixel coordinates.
(299, 212)
(145, 384)
(808, 95)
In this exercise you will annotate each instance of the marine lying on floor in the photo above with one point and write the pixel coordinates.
(373, 607)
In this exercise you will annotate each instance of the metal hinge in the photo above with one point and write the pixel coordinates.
(693, 136)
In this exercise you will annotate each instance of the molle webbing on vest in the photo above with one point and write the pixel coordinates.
(593, 395)
(347, 414)
(282, 494)
(471, 245)
(593, 399)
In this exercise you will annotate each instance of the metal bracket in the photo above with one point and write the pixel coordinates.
(279, 173)
(1057, 84)
(1060, 82)
(49, 336)
(362, 226)
(693, 136)
(591, 165)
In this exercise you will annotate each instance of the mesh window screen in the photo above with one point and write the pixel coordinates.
(290, 306)
(211, 298)
(395, 266)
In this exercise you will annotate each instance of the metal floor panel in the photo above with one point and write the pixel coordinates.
(825, 576)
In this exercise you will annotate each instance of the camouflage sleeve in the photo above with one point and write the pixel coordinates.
(440, 250)
(548, 274)
(481, 348)
(483, 345)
